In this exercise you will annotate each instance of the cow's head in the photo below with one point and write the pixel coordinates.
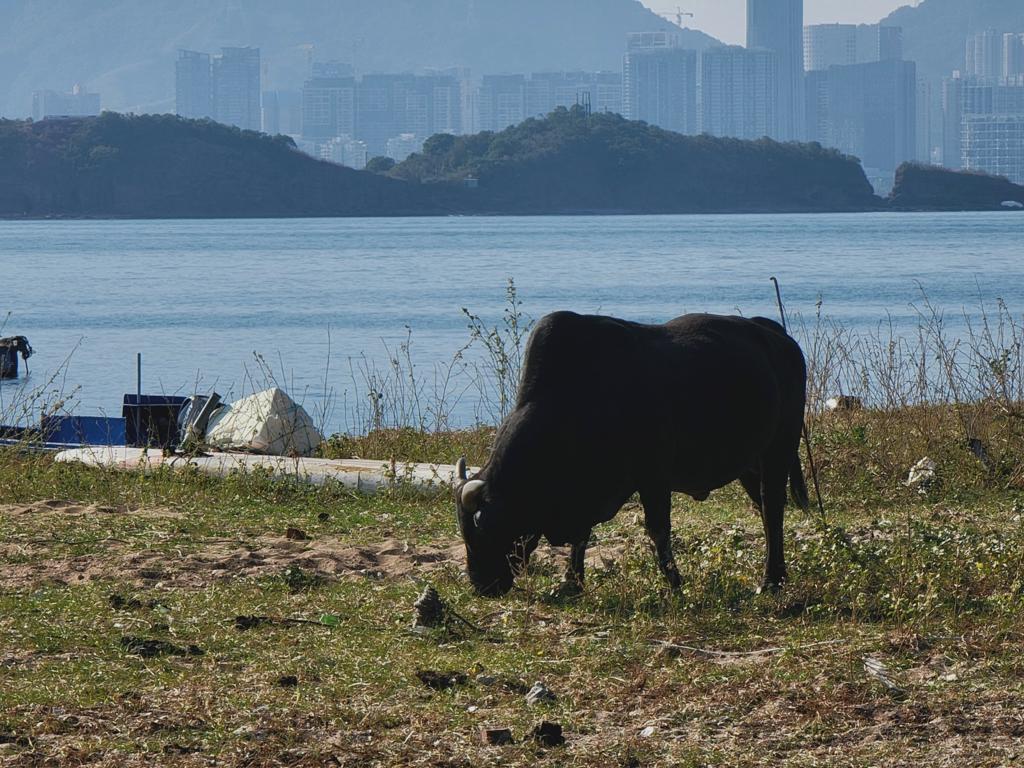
(495, 552)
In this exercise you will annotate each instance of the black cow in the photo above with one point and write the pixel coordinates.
(607, 408)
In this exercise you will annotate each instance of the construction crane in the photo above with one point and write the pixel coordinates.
(678, 15)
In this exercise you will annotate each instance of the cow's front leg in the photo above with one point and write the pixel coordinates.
(572, 583)
(658, 521)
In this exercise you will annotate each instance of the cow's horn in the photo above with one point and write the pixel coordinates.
(470, 495)
(461, 468)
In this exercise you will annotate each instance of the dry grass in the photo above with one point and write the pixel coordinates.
(932, 587)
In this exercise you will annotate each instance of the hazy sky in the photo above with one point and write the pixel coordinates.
(726, 19)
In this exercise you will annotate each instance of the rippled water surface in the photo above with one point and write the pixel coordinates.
(199, 298)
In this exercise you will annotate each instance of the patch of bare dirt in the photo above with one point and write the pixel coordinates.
(230, 560)
(67, 508)
(217, 560)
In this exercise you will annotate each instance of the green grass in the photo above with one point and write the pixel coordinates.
(933, 586)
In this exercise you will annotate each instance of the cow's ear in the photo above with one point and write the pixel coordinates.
(461, 469)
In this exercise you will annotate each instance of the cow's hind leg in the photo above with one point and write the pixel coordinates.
(658, 521)
(767, 489)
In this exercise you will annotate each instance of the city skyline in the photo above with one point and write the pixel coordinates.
(726, 19)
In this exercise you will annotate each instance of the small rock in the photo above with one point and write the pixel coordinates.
(287, 681)
(538, 694)
(547, 734)
(496, 736)
(486, 679)
(440, 681)
(647, 732)
(296, 534)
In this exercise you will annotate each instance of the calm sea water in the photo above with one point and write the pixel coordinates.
(199, 299)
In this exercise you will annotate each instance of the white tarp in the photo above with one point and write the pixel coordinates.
(268, 422)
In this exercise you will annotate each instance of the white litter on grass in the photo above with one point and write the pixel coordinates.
(539, 693)
(921, 475)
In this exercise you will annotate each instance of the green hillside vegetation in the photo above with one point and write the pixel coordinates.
(924, 187)
(163, 166)
(571, 162)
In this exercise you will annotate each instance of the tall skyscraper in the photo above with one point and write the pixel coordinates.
(236, 87)
(867, 110)
(660, 87)
(193, 80)
(1013, 58)
(328, 105)
(738, 93)
(984, 55)
(952, 120)
(992, 128)
(381, 109)
(778, 26)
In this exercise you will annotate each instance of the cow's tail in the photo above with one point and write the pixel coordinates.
(797, 484)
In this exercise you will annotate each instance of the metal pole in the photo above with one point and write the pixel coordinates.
(138, 402)
(805, 430)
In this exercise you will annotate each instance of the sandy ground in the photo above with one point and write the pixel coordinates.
(213, 560)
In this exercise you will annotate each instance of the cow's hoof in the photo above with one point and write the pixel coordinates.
(771, 586)
(567, 590)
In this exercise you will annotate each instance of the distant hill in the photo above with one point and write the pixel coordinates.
(927, 187)
(935, 32)
(574, 163)
(125, 49)
(167, 167)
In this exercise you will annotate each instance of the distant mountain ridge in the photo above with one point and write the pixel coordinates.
(935, 32)
(125, 49)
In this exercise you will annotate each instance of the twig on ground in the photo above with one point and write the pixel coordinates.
(731, 654)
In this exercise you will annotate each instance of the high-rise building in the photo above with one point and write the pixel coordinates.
(923, 121)
(952, 120)
(78, 103)
(778, 26)
(659, 82)
(839, 45)
(738, 92)
(992, 122)
(660, 87)
(1013, 58)
(501, 101)
(985, 55)
(867, 110)
(193, 80)
(328, 106)
(380, 109)
(236, 88)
